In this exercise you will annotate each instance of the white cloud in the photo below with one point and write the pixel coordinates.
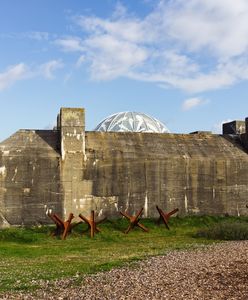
(220, 26)
(21, 72)
(80, 61)
(13, 74)
(131, 30)
(192, 103)
(71, 44)
(194, 45)
(48, 68)
(120, 10)
(112, 58)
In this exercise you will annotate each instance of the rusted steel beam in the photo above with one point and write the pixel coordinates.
(67, 226)
(63, 228)
(134, 221)
(92, 223)
(59, 226)
(164, 217)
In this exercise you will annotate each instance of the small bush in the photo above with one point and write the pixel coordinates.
(225, 231)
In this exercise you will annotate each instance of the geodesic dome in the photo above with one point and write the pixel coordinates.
(133, 122)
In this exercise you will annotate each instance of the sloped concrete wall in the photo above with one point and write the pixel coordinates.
(29, 177)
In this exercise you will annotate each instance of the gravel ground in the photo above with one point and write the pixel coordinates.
(214, 272)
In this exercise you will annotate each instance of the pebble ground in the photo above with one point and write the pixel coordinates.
(214, 272)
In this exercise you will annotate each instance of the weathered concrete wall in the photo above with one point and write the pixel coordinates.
(29, 177)
(199, 174)
(72, 129)
(70, 170)
(234, 127)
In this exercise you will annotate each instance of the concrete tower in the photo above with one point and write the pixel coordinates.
(71, 123)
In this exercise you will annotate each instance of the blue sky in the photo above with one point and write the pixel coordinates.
(183, 62)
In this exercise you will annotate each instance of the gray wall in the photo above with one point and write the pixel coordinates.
(29, 177)
(199, 174)
(70, 170)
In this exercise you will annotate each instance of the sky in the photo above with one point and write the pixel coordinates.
(182, 62)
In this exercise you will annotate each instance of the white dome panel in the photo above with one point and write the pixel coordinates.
(133, 122)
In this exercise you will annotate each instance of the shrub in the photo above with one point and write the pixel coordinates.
(225, 231)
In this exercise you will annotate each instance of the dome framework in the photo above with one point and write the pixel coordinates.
(131, 122)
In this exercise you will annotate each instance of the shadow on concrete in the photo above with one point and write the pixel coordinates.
(51, 137)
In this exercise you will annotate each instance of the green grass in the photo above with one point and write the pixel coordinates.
(229, 231)
(31, 254)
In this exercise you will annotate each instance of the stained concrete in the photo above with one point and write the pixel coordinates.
(70, 170)
(29, 180)
(199, 174)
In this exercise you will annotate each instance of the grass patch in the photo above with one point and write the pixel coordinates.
(29, 255)
(226, 231)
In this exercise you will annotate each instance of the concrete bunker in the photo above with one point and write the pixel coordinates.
(68, 169)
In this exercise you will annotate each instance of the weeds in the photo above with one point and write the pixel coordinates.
(226, 231)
